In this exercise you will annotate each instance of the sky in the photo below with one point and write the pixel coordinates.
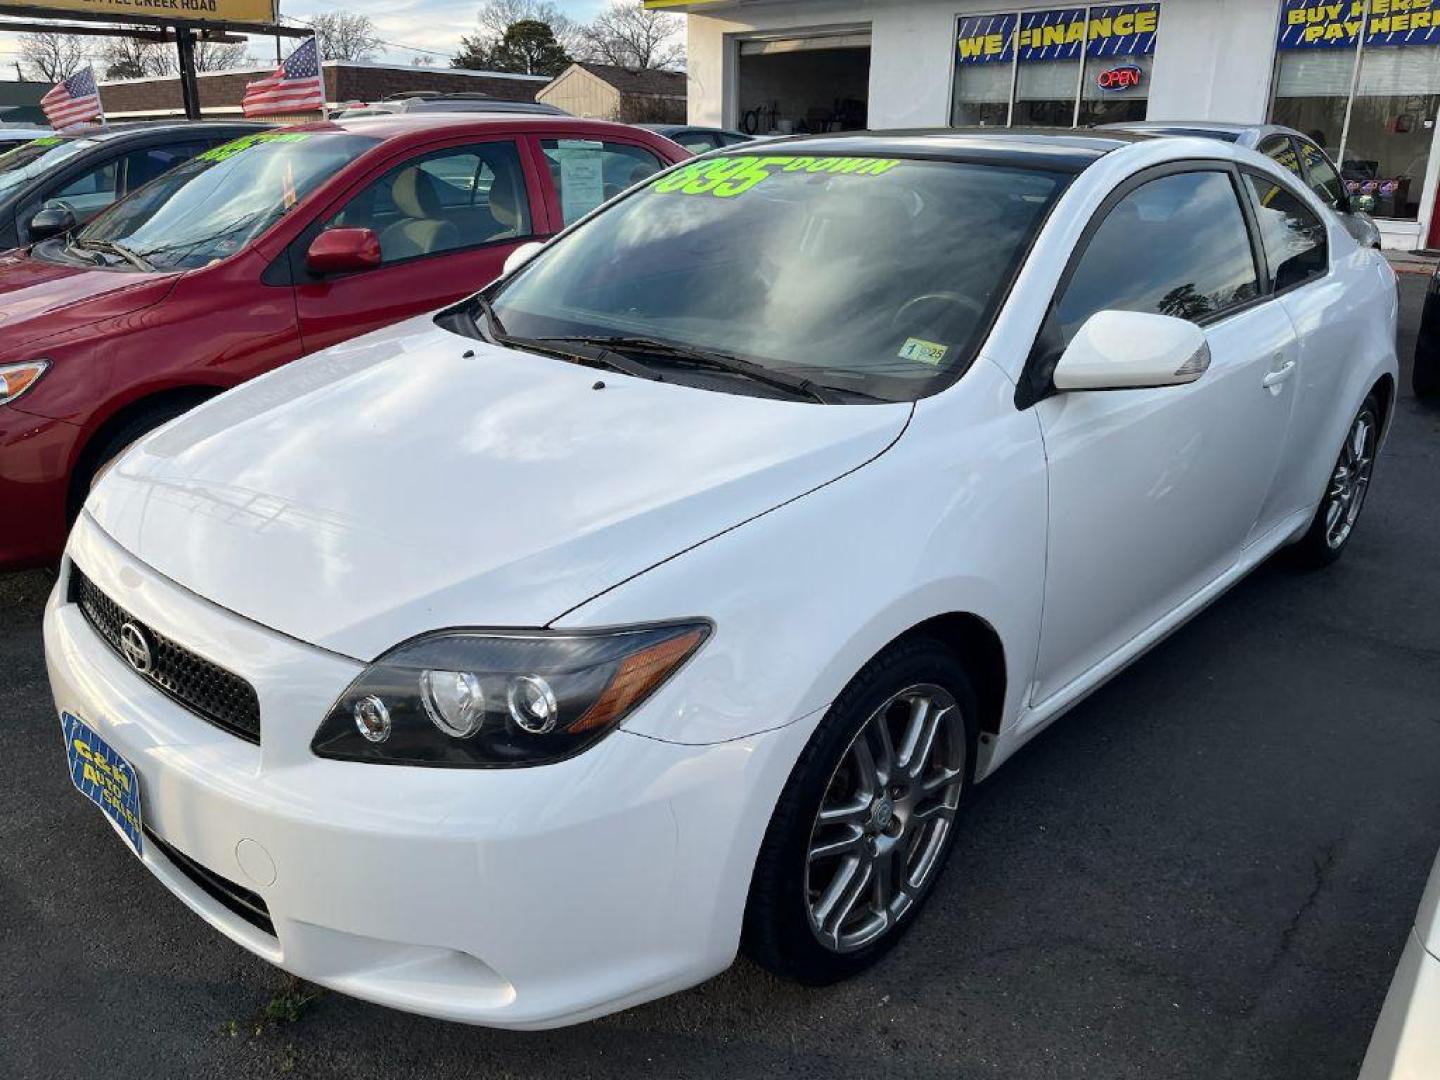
(406, 25)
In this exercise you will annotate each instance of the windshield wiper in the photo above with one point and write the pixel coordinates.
(691, 356)
(134, 259)
(497, 328)
(603, 357)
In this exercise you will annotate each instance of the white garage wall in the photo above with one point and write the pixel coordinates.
(1213, 60)
(1213, 57)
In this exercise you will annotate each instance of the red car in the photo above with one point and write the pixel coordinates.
(256, 253)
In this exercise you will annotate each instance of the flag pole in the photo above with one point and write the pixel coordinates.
(320, 70)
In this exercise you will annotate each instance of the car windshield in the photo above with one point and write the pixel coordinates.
(213, 205)
(878, 276)
(29, 160)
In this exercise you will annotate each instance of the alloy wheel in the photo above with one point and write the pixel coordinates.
(885, 817)
(1350, 480)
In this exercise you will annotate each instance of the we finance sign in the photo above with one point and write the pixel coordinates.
(1058, 34)
(1338, 24)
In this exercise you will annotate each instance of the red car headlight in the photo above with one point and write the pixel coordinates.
(15, 379)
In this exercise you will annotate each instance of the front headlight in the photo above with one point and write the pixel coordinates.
(15, 379)
(486, 699)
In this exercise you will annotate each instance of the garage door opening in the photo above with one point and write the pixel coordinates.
(788, 86)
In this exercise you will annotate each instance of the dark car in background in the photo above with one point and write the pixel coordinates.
(699, 140)
(75, 176)
(13, 135)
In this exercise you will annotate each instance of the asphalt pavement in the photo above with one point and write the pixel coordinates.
(1206, 870)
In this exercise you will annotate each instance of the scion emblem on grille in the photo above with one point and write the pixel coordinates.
(136, 647)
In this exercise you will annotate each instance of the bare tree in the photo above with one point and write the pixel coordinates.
(345, 36)
(52, 57)
(135, 58)
(218, 56)
(629, 36)
(497, 16)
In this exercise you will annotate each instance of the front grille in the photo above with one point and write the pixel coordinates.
(207, 690)
(236, 899)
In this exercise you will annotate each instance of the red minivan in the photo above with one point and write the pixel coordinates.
(258, 252)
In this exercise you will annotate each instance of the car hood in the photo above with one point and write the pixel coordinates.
(39, 299)
(413, 480)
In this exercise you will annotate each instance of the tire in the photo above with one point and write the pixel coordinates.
(793, 925)
(1333, 526)
(114, 443)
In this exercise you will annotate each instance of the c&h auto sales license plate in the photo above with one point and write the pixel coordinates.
(103, 777)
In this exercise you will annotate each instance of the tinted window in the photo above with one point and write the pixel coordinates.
(142, 166)
(1320, 175)
(866, 274)
(452, 199)
(697, 142)
(587, 172)
(1282, 151)
(89, 193)
(1294, 238)
(1174, 246)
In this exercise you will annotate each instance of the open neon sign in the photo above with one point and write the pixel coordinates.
(1124, 77)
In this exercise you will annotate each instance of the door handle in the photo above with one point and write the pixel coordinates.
(1278, 373)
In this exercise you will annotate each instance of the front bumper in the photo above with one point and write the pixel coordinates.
(35, 456)
(1406, 1041)
(518, 898)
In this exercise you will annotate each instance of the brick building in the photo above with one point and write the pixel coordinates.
(345, 80)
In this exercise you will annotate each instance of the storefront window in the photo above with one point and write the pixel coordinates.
(984, 72)
(1392, 125)
(1372, 108)
(1049, 70)
(1043, 85)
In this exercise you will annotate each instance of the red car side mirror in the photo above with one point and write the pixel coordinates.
(343, 251)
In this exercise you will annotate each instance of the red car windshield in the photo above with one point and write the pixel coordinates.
(213, 205)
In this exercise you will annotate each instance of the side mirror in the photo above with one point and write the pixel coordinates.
(1130, 350)
(520, 256)
(50, 221)
(343, 251)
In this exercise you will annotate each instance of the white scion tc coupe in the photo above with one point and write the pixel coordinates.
(521, 663)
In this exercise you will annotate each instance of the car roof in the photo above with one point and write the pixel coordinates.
(1059, 149)
(134, 129)
(388, 125)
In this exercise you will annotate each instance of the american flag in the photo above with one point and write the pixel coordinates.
(295, 86)
(74, 101)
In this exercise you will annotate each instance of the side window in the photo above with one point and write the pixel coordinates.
(1281, 150)
(697, 142)
(88, 193)
(1294, 238)
(1320, 175)
(456, 198)
(1173, 246)
(142, 166)
(587, 172)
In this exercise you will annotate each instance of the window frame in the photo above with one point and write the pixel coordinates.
(1037, 377)
(1270, 291)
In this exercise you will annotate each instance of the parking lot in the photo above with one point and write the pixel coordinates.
(1206, 870)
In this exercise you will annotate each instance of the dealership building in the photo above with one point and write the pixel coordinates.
(1362, 77)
